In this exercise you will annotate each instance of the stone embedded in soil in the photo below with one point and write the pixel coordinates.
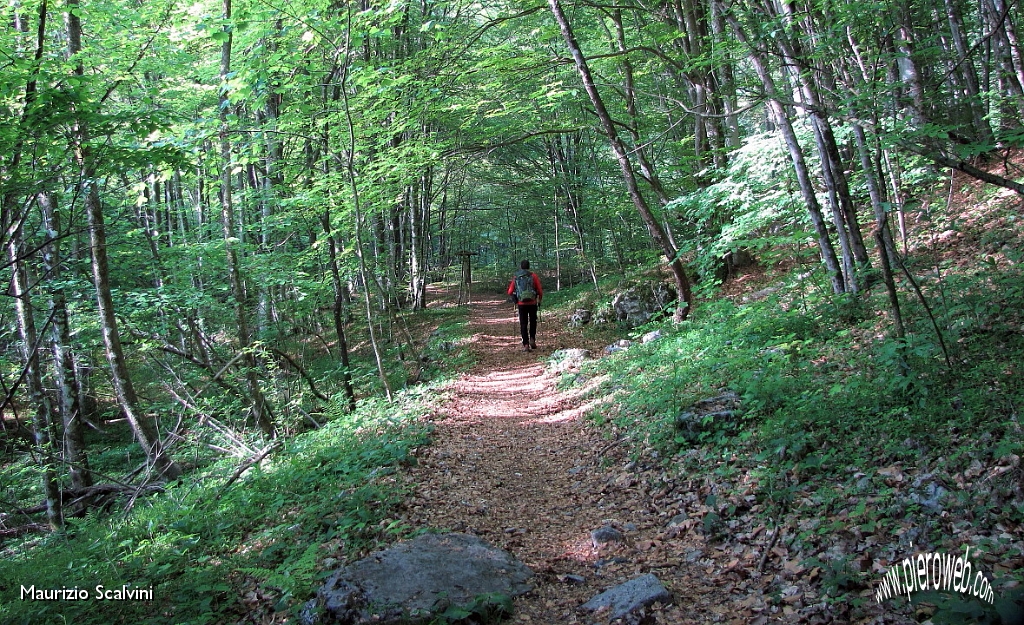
(678, 519)
(651, 336)
(638, 304)
(415, 580)
(604, 535)
(627, 598)
(567, 359)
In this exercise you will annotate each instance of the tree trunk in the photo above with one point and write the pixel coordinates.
(350, 170)
(982, 131)
(42, 413)
(64, 373)
(145, 430)
(260, 409)
(855, 256)
(338, 311)
(785, 125)
(619, 149)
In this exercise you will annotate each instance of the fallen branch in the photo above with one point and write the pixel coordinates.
(611, 444)
(97, 492)
(303, 373)
(242, 468)
(771, 545)
(102, 491)
(14, 532)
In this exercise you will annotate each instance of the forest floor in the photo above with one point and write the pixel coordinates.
(515, 461)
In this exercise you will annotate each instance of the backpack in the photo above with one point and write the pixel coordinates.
(524, 287)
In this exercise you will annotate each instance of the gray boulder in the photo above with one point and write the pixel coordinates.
(638, 304)
(567, 359)
(651, 336)
(580, 317)
(417, 580)
(604, 535)
(625, 599)
(713, 414)
(618, 346)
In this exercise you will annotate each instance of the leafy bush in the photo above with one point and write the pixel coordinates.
(754, 205)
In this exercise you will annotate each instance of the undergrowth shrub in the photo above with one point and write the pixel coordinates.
(754, 205)
(212, 554)
(811, 371)
(841, 425)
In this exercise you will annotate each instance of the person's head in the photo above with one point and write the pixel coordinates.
(524, 265)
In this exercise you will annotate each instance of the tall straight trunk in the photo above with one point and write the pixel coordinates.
(558, 254)
(260, 409)
(911, 74)
(781, 118)
(419, 219)
(565, 172)
(654, 228)
(890, 283)
(350, 169)
(338, 310)
(710, 135)
(42, 414)
(650, 175)
(972, 86)
(64, 373)
(1008, 51)
(265, 186)
(145, 220)
(727, 87)
(855, 256)
(144, 429)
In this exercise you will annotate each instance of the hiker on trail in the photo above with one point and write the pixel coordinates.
(526, 292)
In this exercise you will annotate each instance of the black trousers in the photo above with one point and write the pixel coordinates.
(528, 323)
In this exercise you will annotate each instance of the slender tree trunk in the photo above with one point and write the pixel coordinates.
(982, 131)
(11, 219)
(781, 118)
(565, 172)
(911, 74)
(42, 414)
(890, 282)
(1009, 51)
(64, 373)
(650, 175)
(260, 408)
(357, 209)
(419, 216)
(855, 256)
(338, 311)
(619, 149)
(145, 430)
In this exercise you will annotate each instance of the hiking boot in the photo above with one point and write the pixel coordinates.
(533, 345)
(526, 347)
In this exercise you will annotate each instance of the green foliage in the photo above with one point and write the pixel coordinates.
(447, 350)
(954, 609)
(754, 205)
(482, 610)
(825, 394)
(210, 554)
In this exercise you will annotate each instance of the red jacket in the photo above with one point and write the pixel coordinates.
(536, 287)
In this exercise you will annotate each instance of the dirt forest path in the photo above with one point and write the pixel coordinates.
(515, 462)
